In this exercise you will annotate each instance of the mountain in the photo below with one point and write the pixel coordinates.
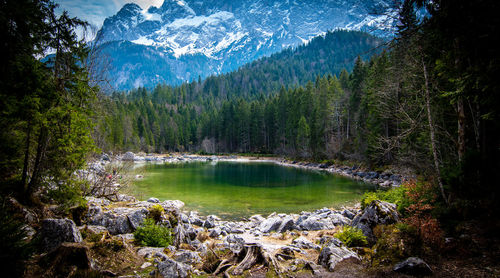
(184, 39)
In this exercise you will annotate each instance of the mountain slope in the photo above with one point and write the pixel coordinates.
(324, 55)
(182, 40)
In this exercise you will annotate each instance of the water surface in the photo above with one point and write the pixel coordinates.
(240, 189)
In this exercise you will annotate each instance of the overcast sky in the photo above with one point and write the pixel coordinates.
(95, 11)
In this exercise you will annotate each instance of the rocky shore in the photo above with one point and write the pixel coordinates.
(287, 244)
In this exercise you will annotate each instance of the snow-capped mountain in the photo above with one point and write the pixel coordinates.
(184, 39)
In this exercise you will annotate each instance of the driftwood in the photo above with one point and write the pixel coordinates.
(253, 256)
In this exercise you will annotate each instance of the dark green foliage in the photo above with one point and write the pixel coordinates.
(15, 248)
(352, 237)
(151, 234)
(45, 103)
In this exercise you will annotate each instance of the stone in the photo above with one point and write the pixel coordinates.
(105, 157)
(187, 257)
(172, 269)
(270, 224)
(96, 229)
(413, 266)
(332, 255)
(154, 200)
(151, 252)
(195, 219)
(304, 243)
(315, 223)
(56, 231)
(257, 218)
(378, 212)
(137, 217)
(170, 205)
(126, 236)
(348, 214)
(214, 233)
(286, 225)
(209, 222)
(128, 156)
(146, 265)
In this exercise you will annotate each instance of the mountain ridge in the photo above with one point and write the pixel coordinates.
(181, 40)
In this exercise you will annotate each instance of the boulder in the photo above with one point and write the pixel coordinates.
(56, 231)
(195, 219)
(315, 223)
(257, 218)
(378, 212)
(413, 266)
(137, 217)
(286, 225)
(270, 224)
(153, 200)
(214, 233)
(187, 257)
(172, 269)
(172, 205)
(304, 243)
(128, 156)
(210, 222)
(332, 255)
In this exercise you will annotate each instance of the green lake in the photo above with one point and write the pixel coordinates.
(240, 189)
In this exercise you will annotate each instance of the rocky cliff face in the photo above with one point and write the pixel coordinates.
(184, 39)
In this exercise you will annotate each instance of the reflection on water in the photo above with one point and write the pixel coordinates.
(235, 189)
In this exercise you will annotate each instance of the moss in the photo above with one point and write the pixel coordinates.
(156, 212)
(395, 242)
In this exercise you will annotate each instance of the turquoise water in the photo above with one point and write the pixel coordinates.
(240, 189)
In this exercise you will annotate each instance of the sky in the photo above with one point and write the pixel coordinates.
(95, 11)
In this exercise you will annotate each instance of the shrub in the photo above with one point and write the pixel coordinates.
(150, 234)
(396, 195)
(368, 197)
(155, 212)
(13, 244)
(352, 236)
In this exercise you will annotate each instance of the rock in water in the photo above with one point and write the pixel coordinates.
(378, 212)
(56, 231)
(413, 266)
(172, 269)
(332, 255)
(128, 156)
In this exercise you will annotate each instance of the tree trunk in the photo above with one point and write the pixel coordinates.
(432, 132)
(26, 157)
(40, 153)
(461, 128)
